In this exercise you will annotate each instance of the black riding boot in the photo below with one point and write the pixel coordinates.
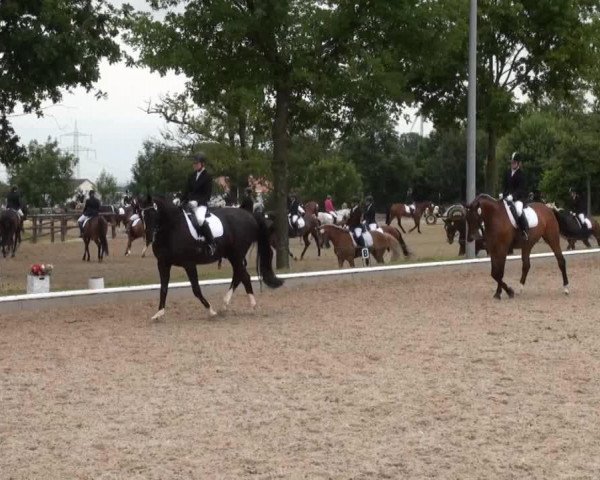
(208, 238)
(80, 230)
(523, 226)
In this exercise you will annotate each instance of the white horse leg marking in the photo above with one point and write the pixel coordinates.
(158, 314)
(212, 312)
(566, 289)
(227, 297)
(144, 251)
(521, 288)
(252, 300)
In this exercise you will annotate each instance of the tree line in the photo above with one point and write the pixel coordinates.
(310, 89)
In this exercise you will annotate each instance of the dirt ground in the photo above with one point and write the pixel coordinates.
(71, 273)
(420, 375)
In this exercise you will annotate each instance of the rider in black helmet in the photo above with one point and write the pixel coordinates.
(515, 190)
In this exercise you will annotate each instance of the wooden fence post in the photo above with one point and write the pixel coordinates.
(63, 228)
(113, 228)
(52, 230)
(35, 230)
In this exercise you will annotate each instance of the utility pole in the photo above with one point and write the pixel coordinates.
(472, 115)
(77, 149)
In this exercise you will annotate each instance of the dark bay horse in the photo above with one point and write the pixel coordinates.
(399, 210)
(174, 245)
(95, 229)
(346, 250)
(143, 228)
(458, 227)
(10, 232)
(571, 229)
(310, 228)
(500, 235)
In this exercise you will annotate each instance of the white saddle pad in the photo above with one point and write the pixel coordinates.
(216, 227)
(530, 215)
(368, 239)
(409, 208)
(300, 222)
(121, 211)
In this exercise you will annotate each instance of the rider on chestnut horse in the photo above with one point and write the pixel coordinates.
(515, 193)
(296, 212)
(354, 224)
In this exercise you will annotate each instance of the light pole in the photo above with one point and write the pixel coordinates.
(472, 114)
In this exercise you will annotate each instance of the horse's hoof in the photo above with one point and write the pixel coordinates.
(511, 293)
(521, 289)
(158, 314)
(566, 290)
(497, 296)
(252, 301)
(212, 312)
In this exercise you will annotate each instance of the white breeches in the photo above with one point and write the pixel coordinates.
(134, 217)
(199, 211)
(357, 232)
(82, 219)
(294, 219)
(373, 226)
(581, 217)
(301, 210)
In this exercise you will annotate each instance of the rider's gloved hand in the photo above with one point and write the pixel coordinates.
(509, 198)
(501, 196)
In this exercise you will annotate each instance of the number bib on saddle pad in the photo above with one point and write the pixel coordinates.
(214, 222)
(530, 215)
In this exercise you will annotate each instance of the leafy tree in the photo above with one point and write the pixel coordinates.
(159, 169)
(297, 60)
(47, 46)
(45, 177)
(330, 176)
(534, 50)
(107, 187)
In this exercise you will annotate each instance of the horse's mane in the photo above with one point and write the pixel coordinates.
(485, 196)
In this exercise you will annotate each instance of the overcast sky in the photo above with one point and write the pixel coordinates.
(117, 125)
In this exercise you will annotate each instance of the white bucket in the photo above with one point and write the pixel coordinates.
(96, 283)
(37, 284)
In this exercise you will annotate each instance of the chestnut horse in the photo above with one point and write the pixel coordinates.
(346, 250)
(500, 235)
(311, 227)
(399, 210)
(455, 225)
(95, 229)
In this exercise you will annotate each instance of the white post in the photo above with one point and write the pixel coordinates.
(471, 116)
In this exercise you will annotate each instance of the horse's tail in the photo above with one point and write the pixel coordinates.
(388, 215)
(103, 231)
(265, 254)
(402, 243)
(394, 246)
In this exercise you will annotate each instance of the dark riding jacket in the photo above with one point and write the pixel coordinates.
(410, 198)
(354, 218)
(13, 200)
(294, 206)
(515, 185)
(92, 207)
(579, 205)
(198, 188)
(369, 214)
(247, 203)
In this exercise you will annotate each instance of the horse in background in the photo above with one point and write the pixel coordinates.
(143, 227)
(571, 229)
(310, 228)
(346, 250)
(95, 229)
(455, 225)
(399, 210)
(174, 245)
(500, 235)
(10, 232)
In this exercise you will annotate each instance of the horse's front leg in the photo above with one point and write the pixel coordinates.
(100, 252)
(315, 235)
(416, 225)
(400, 224)
(498, 263)
(306, 245)
(192, 274)
(128, 248)
(164, 271)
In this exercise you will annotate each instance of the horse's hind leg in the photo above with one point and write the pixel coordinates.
(416, 226)
(400, 224)
(526, 264)
(100, 251)
(192, 274)
(554, 242)
(128, 248)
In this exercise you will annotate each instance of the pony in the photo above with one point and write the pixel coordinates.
(346, 250)
(500, 235)
(173, 244)
(571, 229)
(399, 210)
(143, 228)
(95, 229)
(10, 232)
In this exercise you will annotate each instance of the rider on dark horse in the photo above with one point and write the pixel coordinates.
(515, 190)
(197, 192)
(578, 208)
(91, 209)
(13, 201)
(354, 224)
(296, 211)
(126, 199)
(369, 214)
